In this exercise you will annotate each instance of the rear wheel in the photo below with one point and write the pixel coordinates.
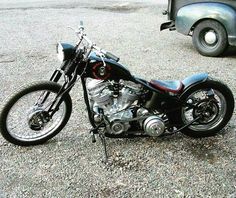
(208, 106)
(25, 119)
(210, 38)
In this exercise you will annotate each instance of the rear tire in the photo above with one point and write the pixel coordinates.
(15, 138)
(210, 124)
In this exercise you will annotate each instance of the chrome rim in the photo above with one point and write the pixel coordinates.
(17, 121)
(208, 111)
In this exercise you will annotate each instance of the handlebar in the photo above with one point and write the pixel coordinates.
(109, 55)
(80, 33)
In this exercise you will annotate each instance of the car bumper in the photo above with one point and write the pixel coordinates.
(168, 25)
(232, 40)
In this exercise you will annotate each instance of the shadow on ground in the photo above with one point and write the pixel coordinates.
(230, 52)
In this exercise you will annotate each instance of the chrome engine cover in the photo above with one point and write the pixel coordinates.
(114, 108)
(154, 126)
(116, 126)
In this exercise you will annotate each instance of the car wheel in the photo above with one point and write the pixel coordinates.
(210, 38)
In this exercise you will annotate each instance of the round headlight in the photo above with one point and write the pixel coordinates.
(60, 52)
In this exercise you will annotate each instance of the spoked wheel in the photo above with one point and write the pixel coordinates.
(25, 119)
(210, 38)
(208, 107)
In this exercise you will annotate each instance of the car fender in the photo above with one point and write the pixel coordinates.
(190, 15)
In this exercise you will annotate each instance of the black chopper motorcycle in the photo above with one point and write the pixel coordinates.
(119, 104)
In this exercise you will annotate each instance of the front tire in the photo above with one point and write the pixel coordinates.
(211, 103)
(15, 126)
(210, 38)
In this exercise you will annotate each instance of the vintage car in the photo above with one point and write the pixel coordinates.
(212, 24)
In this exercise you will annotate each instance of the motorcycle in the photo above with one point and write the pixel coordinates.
(119, 104)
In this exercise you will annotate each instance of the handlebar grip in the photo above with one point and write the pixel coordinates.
(112, 56)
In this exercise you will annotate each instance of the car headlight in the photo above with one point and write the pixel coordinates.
(65, 51)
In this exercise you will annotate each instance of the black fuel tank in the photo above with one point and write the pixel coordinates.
(112, 71)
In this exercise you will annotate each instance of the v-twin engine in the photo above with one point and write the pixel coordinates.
(118, 103)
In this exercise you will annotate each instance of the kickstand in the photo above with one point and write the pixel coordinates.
(103, 139)
(100, 132)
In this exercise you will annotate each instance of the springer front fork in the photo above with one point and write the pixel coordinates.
(66, 87)
(56, 76)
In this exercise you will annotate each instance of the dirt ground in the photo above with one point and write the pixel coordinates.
(70, 165)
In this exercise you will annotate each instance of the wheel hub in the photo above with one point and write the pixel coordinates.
(210, 37)
(38, 119)
(206, 112)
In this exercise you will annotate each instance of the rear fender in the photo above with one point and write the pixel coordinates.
(193, 80)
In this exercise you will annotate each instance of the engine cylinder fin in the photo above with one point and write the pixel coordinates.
(117, 100)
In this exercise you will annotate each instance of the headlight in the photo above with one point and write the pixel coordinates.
(65, 51)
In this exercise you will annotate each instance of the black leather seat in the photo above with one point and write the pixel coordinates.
(173, 86)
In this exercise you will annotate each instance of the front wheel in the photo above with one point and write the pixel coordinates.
(25, 119)
(207, 107)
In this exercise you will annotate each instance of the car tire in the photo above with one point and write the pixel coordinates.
(210, 38)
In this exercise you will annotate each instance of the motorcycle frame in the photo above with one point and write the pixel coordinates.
(85, 73)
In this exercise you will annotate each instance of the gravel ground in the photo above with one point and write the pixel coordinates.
(70, 165)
